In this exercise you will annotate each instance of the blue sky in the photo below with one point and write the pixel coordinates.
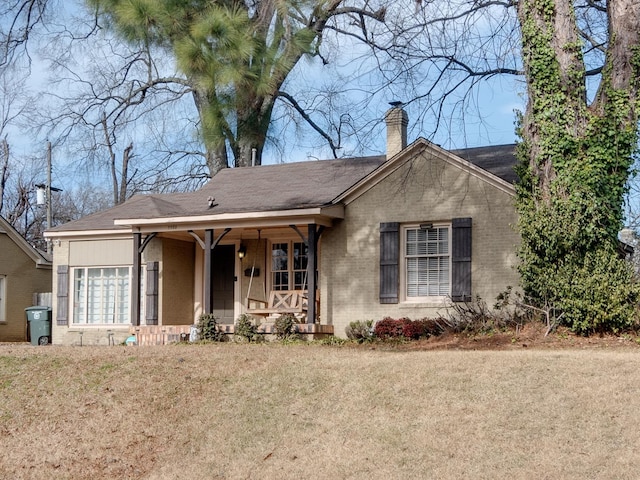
(487, 119)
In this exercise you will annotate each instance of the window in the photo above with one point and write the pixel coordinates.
(427, 261)
(101, 295)
(417, 262)
(288, 266)
(3, 296)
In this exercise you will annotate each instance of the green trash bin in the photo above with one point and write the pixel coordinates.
(39, 320)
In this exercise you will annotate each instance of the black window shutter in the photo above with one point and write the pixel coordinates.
(151, 310)
(62, 312)
(461, 259)
(389, 258)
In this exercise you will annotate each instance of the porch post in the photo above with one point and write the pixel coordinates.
(208, 258)
(312, 268)
(135, 280)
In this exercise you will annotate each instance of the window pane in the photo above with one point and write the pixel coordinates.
(101, 295)
(300, 256)
(122, 305)
(427, 262)
(300, 280)
(94, 294)
(79, 296)
(279, 257)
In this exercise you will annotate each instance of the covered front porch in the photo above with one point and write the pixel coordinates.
(182, 270)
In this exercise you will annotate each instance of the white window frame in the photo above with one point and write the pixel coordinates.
(405, 257)
(75, 311)
(3, 299)
(290, 264)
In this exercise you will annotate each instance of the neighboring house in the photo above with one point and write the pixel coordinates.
(398, 235)
(24, 271)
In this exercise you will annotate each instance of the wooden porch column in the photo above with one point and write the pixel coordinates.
(135, 279)
(312, 267)
(208, 268)
(138, 248)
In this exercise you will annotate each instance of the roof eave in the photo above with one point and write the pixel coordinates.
(69, 234)
(322, 215)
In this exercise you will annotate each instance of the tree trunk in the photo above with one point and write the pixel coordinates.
(575, 163)
(555, 74)
(253, 124)
(213, 134)
(4, 169)
(126, 156)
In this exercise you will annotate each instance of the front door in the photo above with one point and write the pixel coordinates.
(222, 282)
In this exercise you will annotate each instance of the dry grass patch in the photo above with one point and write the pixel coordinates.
(297, 411)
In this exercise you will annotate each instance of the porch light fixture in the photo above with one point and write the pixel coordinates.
(242, 251)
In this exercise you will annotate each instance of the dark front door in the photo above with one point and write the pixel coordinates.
(222, 281)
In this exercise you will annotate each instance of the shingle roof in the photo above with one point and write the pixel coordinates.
(282, 187)
(265, 188)
(497, 159)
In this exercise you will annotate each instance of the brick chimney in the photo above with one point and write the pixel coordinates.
(397, 121)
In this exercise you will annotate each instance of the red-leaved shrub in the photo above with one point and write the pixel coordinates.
(390, 328)
(404, 327)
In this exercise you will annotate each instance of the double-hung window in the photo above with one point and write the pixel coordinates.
(427, 261)
(289, 266)
(101, 295)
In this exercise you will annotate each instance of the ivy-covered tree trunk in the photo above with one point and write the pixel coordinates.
(575, 161)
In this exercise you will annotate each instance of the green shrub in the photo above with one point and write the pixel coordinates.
(246, 328)
(600, 296)
(333, 340)
(208, 329)
(361, 331)
(285, 326)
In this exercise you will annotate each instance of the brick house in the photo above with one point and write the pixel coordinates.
(403, 234)
(24, 271)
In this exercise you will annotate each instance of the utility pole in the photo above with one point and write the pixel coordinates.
(49, 249)
(46, 189)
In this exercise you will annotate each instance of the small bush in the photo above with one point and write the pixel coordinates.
(413, 330)
(246, 328)
(390, 328)
(332, 340)
(361, 331)
(208, 328)
(474, 317)
(285, 326)
(421, 328)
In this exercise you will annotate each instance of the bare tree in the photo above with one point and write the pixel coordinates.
(18, 19)
(235, 57)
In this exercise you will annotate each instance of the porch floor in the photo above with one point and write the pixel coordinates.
(148, 335)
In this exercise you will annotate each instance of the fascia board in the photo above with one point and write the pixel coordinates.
(318, 215)
(82, 234)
